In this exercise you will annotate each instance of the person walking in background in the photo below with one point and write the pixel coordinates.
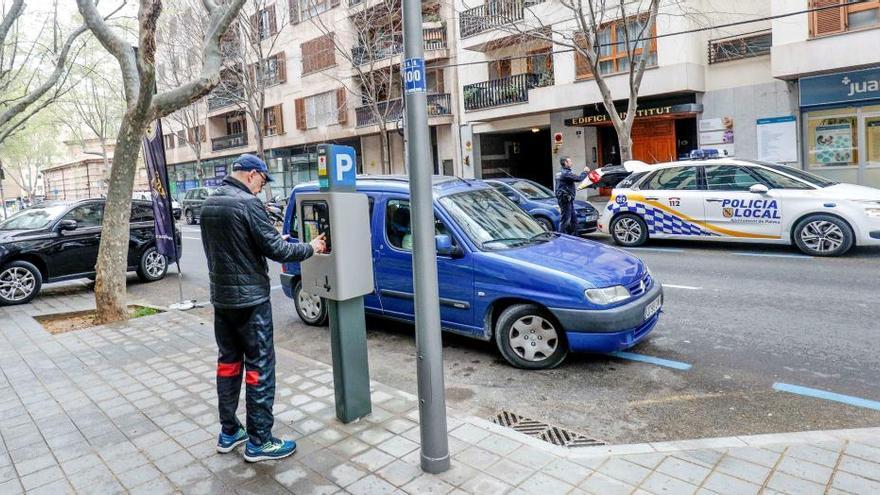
(566, 184)
(238, 237)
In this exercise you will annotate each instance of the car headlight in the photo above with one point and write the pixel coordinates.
(558, 209)
(607, 295)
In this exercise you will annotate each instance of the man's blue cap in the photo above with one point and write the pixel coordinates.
(248, 162)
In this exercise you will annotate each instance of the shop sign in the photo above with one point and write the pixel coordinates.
(842, 87)
(602, 118)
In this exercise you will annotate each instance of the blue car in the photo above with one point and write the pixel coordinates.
(537, 294)
(542, 206)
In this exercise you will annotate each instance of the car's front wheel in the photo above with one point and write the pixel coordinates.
(629, 230)
(530, 339)
(311, 309)
(546, 223)
(823, 235)
(153, 265)
(190, 218)
(20, 282)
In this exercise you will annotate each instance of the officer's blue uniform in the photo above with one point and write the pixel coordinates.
(566, 184)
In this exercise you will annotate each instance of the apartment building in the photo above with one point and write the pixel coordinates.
(333, 75)
(763, 89)
(83, 173)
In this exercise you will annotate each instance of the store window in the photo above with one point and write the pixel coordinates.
(832, 138)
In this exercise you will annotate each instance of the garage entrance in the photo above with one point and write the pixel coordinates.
(524, 154)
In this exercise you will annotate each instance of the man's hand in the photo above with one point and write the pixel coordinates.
(318, 244)
(285, 237)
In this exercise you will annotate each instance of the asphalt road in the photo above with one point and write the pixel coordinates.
(744, 317)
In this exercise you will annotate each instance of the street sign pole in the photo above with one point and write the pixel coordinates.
(429, 345)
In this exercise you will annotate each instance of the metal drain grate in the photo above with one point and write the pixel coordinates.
(543, 431)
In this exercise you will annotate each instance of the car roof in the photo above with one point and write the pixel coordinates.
(708, 161)
(442, 185)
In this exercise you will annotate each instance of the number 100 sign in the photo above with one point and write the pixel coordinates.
(414, 75)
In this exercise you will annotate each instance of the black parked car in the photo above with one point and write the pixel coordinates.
(191, 206)
(58, 240)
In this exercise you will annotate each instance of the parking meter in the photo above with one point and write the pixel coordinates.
(343, 274)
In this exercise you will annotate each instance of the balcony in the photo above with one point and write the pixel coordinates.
(505, 91)
(492, 14)
(220, 99)
(740, 47)
(392, 110)
(229, 141)
(434, 38)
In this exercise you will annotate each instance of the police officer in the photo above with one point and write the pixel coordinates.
(238, 237)
(566, 184)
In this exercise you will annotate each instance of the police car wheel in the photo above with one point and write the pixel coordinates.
(546, 223)
(310, 308)
(530, 339)
(629, 230)
(153, 265)
(823, 235)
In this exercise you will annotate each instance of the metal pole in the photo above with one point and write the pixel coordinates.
(432, 395)
(2, 197)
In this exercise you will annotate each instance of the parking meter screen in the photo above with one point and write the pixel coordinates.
(316, 221)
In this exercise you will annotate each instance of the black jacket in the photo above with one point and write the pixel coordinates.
(566, 183)
(238, 237)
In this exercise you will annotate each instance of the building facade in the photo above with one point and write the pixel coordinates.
(84, 174)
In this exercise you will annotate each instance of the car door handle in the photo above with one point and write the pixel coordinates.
(714, 200)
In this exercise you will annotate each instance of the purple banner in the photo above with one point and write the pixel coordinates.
(157, 175)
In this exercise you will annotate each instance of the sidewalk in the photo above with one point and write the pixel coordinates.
(131, 408)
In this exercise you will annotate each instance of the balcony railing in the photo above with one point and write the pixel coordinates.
(223, 99)
(739, 47)
(492, 14)
(504, 91)
(229, 141)
(434, 39)
(391, 110)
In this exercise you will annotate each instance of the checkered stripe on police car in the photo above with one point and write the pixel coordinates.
(658, 221)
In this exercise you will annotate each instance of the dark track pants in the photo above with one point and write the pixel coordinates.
(244, 337)
(568, 219)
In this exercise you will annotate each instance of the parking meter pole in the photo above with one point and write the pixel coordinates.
(432, 394)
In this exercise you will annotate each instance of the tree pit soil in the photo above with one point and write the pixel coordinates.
(78, 320)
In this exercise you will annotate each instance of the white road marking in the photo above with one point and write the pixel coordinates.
(685, 287)
(276, 287)
(192, 238)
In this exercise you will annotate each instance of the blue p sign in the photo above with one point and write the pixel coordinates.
(337, 167)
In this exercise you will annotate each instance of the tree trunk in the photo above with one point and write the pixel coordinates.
(261, 152)
(110, 289)
(624, 138)
(385, 150)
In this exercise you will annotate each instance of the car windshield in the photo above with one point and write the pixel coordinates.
(797, 173)
(33, 218)
(492, 221)
(532, 190)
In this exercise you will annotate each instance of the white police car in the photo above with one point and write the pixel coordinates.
(743, 201)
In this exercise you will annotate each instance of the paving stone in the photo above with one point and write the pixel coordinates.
(469, 433)
(428, 484)
(399, 473)
(813, 454)
(138, 476)
(545, 485)
(43, 477)
(625, 471)
(683, 470)
(398, 446)
(191, 474)
(567, 471)
(498, 444)
(865, 452)
(743, 470)
(793, 485)
(851, 483)
(533, 457)
(158, 486)
(174, 461)
(728, 485)
(372, 459)
(511, 472)
(755, 455)
(374, 436)
(477, 458)
(658, 482)
(599, 484)
(804, 469)
(55, 488)
(29, 466)
(484, 484)
(346, 474)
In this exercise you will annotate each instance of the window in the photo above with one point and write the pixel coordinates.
(397, 225)
(613, 54)
(321, 110)
(169, 141)
(302, 10)
(263, 22)
(196, 134)
(181, 138)
(832, 138)
(499, 69)
(318, 54)
(273, 123)
(141, 212)
(779, 181)
(729, 178)
(87, 215)
(850, 15)
(673, 179)
(726, 49)
(235, 124)
(273, 70)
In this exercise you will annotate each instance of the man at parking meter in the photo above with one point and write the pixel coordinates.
(238, 237)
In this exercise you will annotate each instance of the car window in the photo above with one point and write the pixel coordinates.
(141, 212)
(673, 179)
(87, 215)
(189, 194)
(779, 181)
(729, 178)
(397, 225)
(203, 193)
(505, 190)
(532, 190)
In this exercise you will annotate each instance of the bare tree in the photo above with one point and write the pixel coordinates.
(27, 152)
(34, 72)
(138, 70)
(583, 28)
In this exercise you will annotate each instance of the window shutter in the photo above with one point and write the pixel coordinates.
(279, 121)
(203, 135)
(299, 105)
(255, 25)
(294, 11)
(273, 25)
(306, 49)
(581, 64)
(340, 104)
(281, 67)
(331, 50)
(190, 135)
(252, 74)
(828, 21)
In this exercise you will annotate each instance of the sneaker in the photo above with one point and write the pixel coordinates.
(228, 443)
(273, 449)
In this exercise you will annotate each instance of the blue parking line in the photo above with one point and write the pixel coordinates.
(677, 365)
(774, 255)
(822, 394)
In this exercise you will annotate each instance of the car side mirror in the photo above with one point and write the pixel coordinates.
(759, 189)
(445, 247)
(67, 225)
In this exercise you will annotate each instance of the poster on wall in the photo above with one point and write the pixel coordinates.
(777, 139)
(717, 133)
(834, 144)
